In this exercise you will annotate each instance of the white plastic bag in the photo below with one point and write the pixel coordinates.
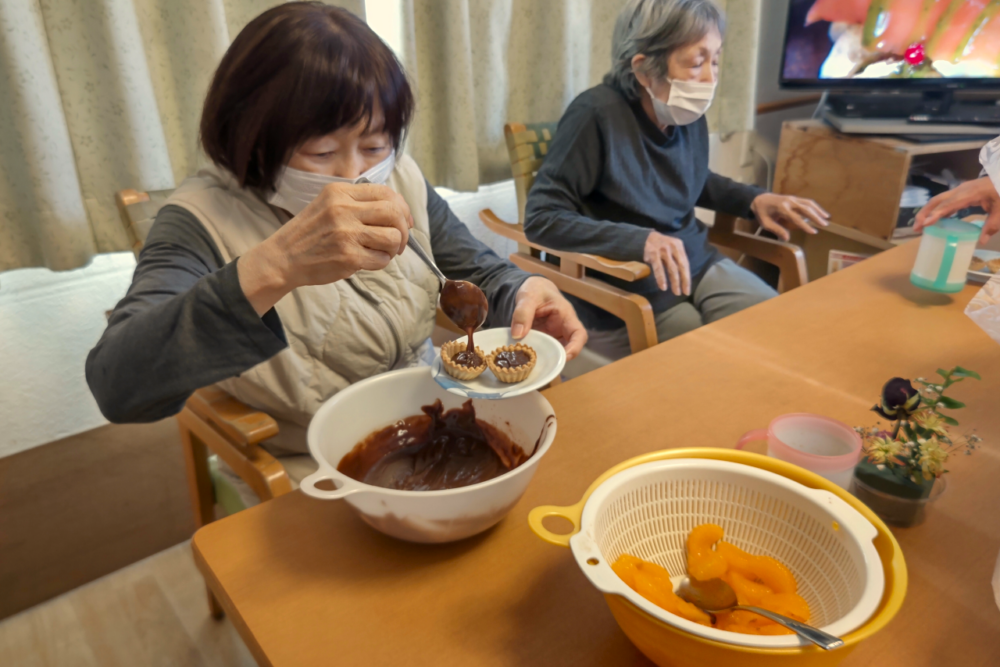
(989, 157)
(984, 309)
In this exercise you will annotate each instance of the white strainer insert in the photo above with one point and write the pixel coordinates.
(649, 510)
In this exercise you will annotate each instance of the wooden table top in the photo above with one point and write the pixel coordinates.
(307, 583)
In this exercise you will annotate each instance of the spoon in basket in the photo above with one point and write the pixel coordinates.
(715, 595)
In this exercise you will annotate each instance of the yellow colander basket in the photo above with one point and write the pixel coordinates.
(849, 567)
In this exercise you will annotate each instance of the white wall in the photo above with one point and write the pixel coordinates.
(48, 323)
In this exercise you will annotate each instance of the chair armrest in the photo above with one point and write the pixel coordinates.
(239, 422)
(628, 271)
(265, 474)
(788, 257)
(634, 309)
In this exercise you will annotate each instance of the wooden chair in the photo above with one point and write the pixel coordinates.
(212, 421)
(527, 146)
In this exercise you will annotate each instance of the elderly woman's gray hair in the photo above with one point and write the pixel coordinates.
(656, 28)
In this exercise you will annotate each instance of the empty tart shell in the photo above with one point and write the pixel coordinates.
(448, 352)
(512, 375)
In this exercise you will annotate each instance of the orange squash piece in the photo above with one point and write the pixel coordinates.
(648, 587)
(759, 581)
(773, 574)
(692, 613)
(763, 569)
(747, 592)
(625, 567)
(736, 558)
(703, 562)
(652, 582)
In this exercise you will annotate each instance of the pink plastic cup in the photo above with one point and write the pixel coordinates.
(822, 445)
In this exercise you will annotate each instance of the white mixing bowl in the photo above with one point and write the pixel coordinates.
(423, 516)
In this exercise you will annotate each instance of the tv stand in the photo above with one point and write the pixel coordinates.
(890, 103)
(859, 179)
(911, 113)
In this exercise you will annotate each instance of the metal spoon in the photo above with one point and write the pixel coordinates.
(464, 303)
(413, 245)
(715, 595)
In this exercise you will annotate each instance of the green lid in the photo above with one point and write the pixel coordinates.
(954, 229)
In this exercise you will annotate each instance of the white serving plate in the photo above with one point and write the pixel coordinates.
(551, 359)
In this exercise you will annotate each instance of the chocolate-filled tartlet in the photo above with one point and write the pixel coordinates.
(512, 363)
(460, 362)
(466, 306)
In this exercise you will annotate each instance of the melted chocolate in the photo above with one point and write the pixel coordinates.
(435, 450)
(465, 305)
(468, 359)
(512, 359)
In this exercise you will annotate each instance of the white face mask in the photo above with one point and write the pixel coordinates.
(688, 101)
(295, 189)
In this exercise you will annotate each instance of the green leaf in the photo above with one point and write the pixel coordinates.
(965, 373)
(951, 421)
(943, 373)
(909, 431)
(950, 403)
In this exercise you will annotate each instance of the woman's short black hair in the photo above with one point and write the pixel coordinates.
(298, 71)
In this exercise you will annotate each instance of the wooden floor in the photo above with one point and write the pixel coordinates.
(151, 613)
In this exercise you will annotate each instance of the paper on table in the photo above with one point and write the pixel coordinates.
(989, 157)
(984, 309)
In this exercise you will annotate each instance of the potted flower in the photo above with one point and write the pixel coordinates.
(901, 466)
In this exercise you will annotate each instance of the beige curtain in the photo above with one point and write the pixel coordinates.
(731, 118)
(98, 96)
(480, 63)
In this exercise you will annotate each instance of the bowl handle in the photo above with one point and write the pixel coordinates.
(571, 513)
(308, 486)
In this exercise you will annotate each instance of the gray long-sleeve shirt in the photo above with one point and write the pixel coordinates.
(185, 322)
(610, 177)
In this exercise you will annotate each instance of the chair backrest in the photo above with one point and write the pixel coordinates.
(527, 146)
(138, 211)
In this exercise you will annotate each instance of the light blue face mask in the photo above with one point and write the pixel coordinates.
(296, 189)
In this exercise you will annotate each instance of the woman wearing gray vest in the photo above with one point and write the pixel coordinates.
(273, 272)
(629, 163)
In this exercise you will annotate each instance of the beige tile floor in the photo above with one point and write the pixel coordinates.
(150, 613)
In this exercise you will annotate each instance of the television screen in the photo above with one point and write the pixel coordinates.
(892, 43)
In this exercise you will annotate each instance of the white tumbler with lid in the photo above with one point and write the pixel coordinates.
(945, 254)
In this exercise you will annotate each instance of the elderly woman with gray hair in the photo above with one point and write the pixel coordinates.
(628, 164)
